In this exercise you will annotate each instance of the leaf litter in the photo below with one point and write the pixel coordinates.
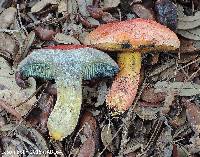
(164, 119)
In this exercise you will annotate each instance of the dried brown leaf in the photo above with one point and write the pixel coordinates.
(142, 11)
(7, 17)
(107, 134)
(189, 22)
(65, 39)
(42, 4)
(146, 113)
(178, 88)
(88, 148)
(149, 95)
(82, 5)
(193, 34)
(8, 46)
(193, 116)
(44, 34)
(111, 3)
(12, 93)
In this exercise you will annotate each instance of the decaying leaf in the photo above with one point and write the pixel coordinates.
(178, 88)
(65, 39)
(8, 46)
(44, 34)
(193, 116)
(12, 93)
(21, 54)
(82, 5)
(111, 3)
(149, 95)
(188, 26)
(107, 134)
(142, 11)
(69, 7)
(164, 143)
(189, 22)
(147, 113)
(102, 90)
(193, 34)
(26, 142)
(194, 147)
(42, 4)
(7, 17)
(87, 149)
(93, 22)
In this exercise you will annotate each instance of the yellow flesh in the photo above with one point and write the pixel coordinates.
(129, 63)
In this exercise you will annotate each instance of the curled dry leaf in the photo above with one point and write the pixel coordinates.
(165, 143)
(147, 113)
(42, 4)
(88, 129)
(188, 26)
(189, 22)
(107, 18)
(107, 133)
(82, 5)
(189, 46)
(44, 34)
(66, 39)
(193, 116)
(102, 90)
(178, 88)
(96, 13)
(193, 34)
(7, 17)
(21, 54)
(87, 149)
(149, 95)
(12, 93)
(194, 147)
(142, 11)
(8, 46)
(110, 3)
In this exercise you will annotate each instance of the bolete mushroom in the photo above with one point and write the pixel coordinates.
(130, 38)
(68, 68)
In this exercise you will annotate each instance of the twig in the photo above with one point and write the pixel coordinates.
(9, 31)
(29, 98)
(10, 110)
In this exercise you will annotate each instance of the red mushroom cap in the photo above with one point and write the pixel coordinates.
(135, 34)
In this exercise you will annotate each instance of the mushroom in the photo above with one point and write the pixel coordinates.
(68, 68)
(130, 38)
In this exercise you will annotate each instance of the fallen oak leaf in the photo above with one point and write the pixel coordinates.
(42, 4)
(11, 93)
(178, 88)
(65, 39)
(189, 22)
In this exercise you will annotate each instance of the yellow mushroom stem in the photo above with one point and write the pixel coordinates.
(124, 88)
(64, 117)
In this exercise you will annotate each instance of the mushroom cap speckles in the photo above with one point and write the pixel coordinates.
(49, 63)
(135, 34)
